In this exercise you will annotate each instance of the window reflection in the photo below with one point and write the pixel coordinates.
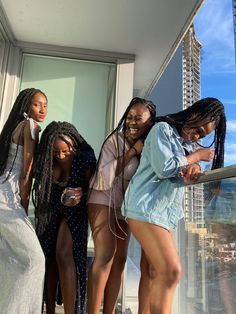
(211, 253)
(208, 253)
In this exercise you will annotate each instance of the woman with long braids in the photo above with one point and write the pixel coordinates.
(21, 257)
(65, 161)
(153, 200)
(118, 161)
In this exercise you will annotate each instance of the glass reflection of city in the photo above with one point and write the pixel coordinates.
(207, 250)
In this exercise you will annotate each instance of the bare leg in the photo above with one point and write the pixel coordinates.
(66, 267)
(116, 274)
(159, 248)
(147, 275)
(51, 280)
(104, 249)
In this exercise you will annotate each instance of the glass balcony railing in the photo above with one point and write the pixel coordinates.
(206, 241)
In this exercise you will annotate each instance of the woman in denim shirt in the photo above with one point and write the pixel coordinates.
(153, 200)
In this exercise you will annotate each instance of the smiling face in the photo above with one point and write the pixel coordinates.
(138, 122)
(62, 151)
(196, 133)
(39, 107)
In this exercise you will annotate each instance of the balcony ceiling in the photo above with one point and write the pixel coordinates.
(149, 29)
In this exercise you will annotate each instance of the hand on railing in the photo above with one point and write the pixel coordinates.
(191, 173)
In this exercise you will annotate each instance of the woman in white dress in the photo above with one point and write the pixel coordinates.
(21, 257)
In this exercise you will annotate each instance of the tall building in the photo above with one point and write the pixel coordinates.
(191, 68)
(194, 196)
(193, 203)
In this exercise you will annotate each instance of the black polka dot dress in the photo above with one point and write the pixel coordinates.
(77, 220)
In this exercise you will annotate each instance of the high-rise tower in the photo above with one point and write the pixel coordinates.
(193, 203)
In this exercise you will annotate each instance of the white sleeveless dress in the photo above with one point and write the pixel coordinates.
(22, 263)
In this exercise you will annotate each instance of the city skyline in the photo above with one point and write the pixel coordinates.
(214, 29)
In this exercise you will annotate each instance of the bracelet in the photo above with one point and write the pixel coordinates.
(136, 152)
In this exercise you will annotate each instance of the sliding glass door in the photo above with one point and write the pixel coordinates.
(78, 91)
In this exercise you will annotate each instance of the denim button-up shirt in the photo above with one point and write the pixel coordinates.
(155, 193)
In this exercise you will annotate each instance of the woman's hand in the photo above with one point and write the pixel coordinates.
(205, 154)
(134, 150)
(138, 147)
(202, 154)
(71, 196)
(191, 173)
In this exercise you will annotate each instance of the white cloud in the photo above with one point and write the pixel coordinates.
(214, 29)
(231, 126)
(229, 101)
(230, 159)
(230, 147)
(230, 153)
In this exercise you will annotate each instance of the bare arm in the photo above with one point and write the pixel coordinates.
(192, 172)
(122, 161)
(28, 159)
(203, 154)
(110, 163)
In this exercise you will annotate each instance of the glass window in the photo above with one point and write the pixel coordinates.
(207, 248)
(132, 277)
(209, 252)
(80, 92)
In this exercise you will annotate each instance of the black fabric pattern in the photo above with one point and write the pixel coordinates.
(77, 220)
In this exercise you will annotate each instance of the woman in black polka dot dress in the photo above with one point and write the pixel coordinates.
(64, 161)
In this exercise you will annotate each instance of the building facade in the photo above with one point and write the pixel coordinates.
(193, 204)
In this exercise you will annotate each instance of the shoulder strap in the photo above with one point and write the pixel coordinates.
(32, 126)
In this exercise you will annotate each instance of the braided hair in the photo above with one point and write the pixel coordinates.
(136, 100)
(200, 113)
(43, 167)
(22, 104)
(121, 127)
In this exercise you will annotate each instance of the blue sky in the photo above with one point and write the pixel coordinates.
(214, 30)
